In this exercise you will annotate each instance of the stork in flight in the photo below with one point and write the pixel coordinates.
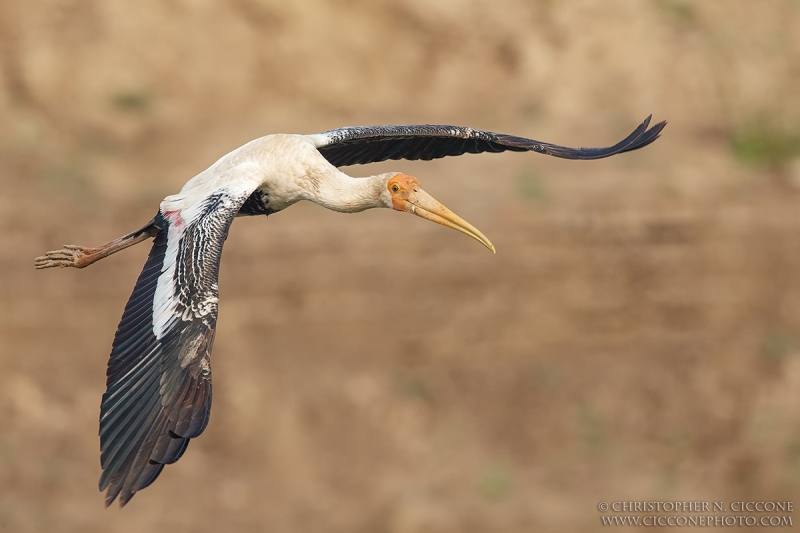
(158, 387)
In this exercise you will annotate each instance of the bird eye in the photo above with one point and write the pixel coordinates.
(395, 188)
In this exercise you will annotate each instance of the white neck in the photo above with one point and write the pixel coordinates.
(337, 191)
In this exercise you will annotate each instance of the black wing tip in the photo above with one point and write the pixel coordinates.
(640, 137)
(111, 495)
(124, 497)
(119, 489)
(113, 489)
(648, 137)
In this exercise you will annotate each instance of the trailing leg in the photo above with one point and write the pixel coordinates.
(81, 256)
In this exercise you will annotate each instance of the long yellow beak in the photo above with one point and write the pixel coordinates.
(426, 206)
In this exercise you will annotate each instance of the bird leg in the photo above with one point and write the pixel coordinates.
(81, 256)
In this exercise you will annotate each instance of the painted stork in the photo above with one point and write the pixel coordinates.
(158, 388)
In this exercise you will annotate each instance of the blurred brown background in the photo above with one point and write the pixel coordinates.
(635, 337)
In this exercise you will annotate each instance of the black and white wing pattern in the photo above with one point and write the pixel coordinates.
(369, 144)
(158, 389)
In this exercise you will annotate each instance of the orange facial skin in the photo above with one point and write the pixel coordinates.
(401, 187)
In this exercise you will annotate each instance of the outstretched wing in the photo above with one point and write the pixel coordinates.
(158, 389)
(370, 144)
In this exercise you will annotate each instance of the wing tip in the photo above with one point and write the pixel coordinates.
(647, 137)
(111, 495)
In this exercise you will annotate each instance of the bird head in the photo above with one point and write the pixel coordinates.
(405, 194)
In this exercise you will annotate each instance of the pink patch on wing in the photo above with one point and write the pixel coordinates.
(174, 217)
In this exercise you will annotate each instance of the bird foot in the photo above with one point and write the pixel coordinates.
(70, 255)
